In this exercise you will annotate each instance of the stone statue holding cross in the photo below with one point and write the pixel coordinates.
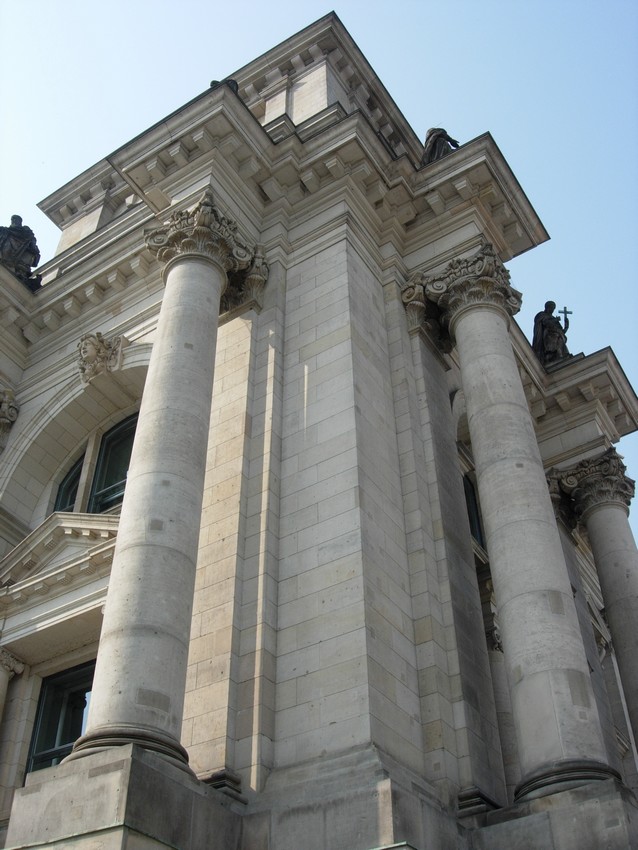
(550, 339)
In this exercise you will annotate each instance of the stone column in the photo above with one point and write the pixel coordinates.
(557, 726)
(9, 666)
(602, 493)
(138, 690)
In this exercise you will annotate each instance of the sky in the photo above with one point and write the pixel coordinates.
(554, 81)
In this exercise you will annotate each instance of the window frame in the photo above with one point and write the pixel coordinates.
(67, 682)
(91, 465)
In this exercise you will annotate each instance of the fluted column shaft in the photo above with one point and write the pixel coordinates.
(555, 714)
(138, 690)
(602, 493)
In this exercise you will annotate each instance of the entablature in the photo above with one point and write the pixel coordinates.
(580, 408)
(477, 175)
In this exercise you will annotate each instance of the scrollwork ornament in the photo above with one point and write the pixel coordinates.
(413, 298)
(9, 409)
(599, 481)
(256, 277)
(10, 663)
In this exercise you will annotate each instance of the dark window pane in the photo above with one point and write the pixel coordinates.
(61, 716)
(68, 489)
(473, 511)
(112, 465)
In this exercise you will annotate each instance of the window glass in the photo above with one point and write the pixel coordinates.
(61, 715)
(68, 490)
(473, 511)
(109, 482)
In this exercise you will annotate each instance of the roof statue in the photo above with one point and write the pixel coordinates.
(550, 340)
(437, 145)
(19, 251)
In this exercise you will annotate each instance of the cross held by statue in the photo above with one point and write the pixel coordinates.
(565, 313)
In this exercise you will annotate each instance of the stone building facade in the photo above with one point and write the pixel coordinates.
(301, 544)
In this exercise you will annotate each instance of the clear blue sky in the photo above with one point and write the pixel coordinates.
(554, 81)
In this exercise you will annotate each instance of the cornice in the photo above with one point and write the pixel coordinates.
(585, 389)
(327, 40)
(219, 129)
(477, 174)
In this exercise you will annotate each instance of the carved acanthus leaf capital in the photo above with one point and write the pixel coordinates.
(423, 314)
(202, 231)
(598, 481)
(9, 409)
(561, 502)
(477, 280)
(10, 663)
(413, 297)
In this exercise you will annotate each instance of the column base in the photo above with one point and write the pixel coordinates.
(121, 798)
(561, 776)
(106, 738)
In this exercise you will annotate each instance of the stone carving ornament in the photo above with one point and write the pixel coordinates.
(202, 230)
(206, 232)
(97, 355)
(9, 409)
(10, 663)
(479, 279)
(599, 481)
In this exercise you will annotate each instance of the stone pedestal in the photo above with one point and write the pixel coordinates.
(601, 814)
(602, 493)
(121, 798)
(557, 726)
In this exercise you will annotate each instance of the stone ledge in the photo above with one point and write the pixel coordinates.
(599, 814)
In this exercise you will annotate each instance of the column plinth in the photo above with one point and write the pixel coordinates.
(602, 493)
(138, 690)
(555, 715)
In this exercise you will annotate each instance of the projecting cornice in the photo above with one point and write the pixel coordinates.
(579, 409)
(478, 176)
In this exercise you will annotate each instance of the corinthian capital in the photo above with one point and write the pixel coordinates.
(10, 663)
(599, 481)
(477, 280)
(202, 231)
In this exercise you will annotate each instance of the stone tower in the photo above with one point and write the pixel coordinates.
(301, 543)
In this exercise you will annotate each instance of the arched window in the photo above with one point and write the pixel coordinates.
(110, 460)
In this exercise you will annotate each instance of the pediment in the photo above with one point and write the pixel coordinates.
(64, 548)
